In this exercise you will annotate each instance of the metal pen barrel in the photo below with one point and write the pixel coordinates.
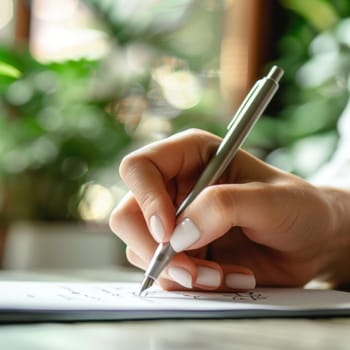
(243, 121)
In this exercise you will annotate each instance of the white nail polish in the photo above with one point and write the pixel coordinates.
(185, 234)
(240, 281)
(180, 276)
(157, 229)
(208, 277)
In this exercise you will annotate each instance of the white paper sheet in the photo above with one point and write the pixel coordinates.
(53, 301)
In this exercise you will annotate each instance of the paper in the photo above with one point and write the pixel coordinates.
(66, 301)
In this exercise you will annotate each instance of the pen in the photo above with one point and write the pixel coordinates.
(237, 130)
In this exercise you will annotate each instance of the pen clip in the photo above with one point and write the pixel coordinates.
(244, 104)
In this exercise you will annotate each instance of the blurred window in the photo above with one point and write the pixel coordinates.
(63, 30)
(69, 29)
(7, 20)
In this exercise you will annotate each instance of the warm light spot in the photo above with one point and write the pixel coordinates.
(6, 12)
(60, 31)
(97, 203)
(180, 88)
(53, 10)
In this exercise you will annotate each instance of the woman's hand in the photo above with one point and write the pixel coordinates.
(258, 225)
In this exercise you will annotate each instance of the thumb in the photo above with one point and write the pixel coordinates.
(218, 208)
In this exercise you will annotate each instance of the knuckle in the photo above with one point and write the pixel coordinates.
(192, 133)
(130, 256)
(115, 222)
(119, 220)
(134, 169)
(148, 201)
(220, 201)
(135, 259)
(127, 165)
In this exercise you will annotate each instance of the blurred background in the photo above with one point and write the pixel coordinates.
(83, 82)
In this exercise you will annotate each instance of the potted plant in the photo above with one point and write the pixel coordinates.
(63, 123)
(313, 49)
(55, 136)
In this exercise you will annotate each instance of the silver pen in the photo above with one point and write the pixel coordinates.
(242, 122)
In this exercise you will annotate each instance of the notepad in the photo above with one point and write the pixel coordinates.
(66, 301)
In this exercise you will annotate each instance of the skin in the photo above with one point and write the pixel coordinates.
(257, 220)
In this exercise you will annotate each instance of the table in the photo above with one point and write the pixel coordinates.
(325, 333)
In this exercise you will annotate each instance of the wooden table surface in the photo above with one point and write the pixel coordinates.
(200, 334)
(285, 334)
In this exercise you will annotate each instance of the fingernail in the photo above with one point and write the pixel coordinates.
(157, 229)
(208, 277)
(185, 234)
(240, 281)
(180, 276)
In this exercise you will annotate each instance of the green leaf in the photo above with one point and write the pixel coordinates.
(320, 13)
(9, 71)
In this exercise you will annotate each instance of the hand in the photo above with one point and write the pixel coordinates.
(258, 225)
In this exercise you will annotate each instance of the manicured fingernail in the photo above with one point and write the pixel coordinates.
(157, 229)
(208, 277)
(185, 234)
(180, 276)
(240, 281)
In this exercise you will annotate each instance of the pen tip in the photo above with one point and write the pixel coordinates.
(146, 283)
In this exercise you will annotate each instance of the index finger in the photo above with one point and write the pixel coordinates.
(161, 173)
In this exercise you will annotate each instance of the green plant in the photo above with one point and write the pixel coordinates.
(63, 122)
(174, 47)
(315, 53)
(54, 135)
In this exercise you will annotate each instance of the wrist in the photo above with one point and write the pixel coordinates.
(336, 253)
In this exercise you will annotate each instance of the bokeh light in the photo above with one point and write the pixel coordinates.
(6, 12)
(180, 88)
(61, 30)
(97, 203)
